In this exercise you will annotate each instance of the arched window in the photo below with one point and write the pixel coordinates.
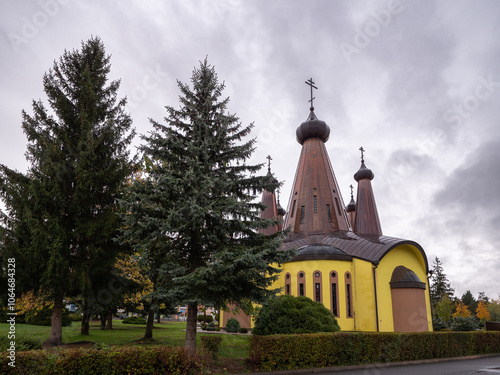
(288, 283)
(348, 295)
(334, 293)
(318, 287)
(301, 283)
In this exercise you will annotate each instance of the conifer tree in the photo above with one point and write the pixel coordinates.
(199, 204)
(79, 161)
(440, 285)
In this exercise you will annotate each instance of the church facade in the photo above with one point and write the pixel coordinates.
(369, 281)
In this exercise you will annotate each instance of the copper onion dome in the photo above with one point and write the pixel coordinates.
(312, 128)
(363, 173)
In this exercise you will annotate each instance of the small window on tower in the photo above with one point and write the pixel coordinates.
(329, 213)
(302, 214)
(293, 207)
(315, 204)
(338, 206)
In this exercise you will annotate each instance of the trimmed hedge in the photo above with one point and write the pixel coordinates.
(134, 320)
(131, 360)
(288, 352)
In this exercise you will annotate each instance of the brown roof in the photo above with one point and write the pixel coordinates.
(367, 247)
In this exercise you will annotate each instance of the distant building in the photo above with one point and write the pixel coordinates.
(369, 281)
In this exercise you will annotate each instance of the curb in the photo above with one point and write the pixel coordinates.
(371, 365)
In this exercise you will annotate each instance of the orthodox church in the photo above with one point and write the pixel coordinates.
(369, 281)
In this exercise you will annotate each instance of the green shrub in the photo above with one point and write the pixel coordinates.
(288, 352)
(206, 319)
(128, 360)
(211, 345)
(76, 317)
(288, 315)
(134, 320)
(232, 325)
(243, 330)
(461, 323)
(43, 317)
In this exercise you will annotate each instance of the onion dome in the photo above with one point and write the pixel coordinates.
(312, 128)
(351, 207)
(281, 210)
(363, 173)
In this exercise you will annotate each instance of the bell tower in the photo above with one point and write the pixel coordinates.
(316, 205)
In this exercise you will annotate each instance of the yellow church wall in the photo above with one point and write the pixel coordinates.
(364, 300)
(410, 257)
(325, 267)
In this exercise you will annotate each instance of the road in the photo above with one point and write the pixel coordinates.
(479, 366)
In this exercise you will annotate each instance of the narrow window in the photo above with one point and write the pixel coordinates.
(302, 214)
(317, 286)
(301, 283)
(329, 213)
(334, 299)
(287, 283)
(348, 295)
(293, 207)
(334, 293)
(315, 204)
(338, 206)
(349, 313)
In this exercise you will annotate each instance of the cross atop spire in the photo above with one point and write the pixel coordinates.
(362, 154)
(311, 83)
(352, 197)
(269, 158)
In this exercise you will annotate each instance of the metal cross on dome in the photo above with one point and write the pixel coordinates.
(269, 158)
(311, 83)
(352, 189)
(362, 153)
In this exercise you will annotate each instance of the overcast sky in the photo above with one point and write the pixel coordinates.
(416, 83)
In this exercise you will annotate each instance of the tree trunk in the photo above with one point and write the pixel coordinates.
(158, 320)
(149, 324)
(190, 342)
(55, 337)
(109, 323)
(102, 317)
(85, 323)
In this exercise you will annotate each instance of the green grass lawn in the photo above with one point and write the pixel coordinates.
(165, 333)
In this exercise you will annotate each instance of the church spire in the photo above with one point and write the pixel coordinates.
(351, 208)
(366, 219)
(315, 206)
(272, 208)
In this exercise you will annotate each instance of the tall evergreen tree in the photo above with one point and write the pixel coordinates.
(200, 203)
(79, 162)
(440, 285)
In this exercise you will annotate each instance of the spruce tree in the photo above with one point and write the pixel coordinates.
(199, 204)
(440, 285)
(79, 161)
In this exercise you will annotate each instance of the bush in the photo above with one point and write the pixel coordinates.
(232, 325)
(289, 352)
(43, 317)
(461, 323)
(288, 315)
(76, 317)
(243, 330)
(134, 320)
(211, 345)
(207, 319)
(129, 360)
